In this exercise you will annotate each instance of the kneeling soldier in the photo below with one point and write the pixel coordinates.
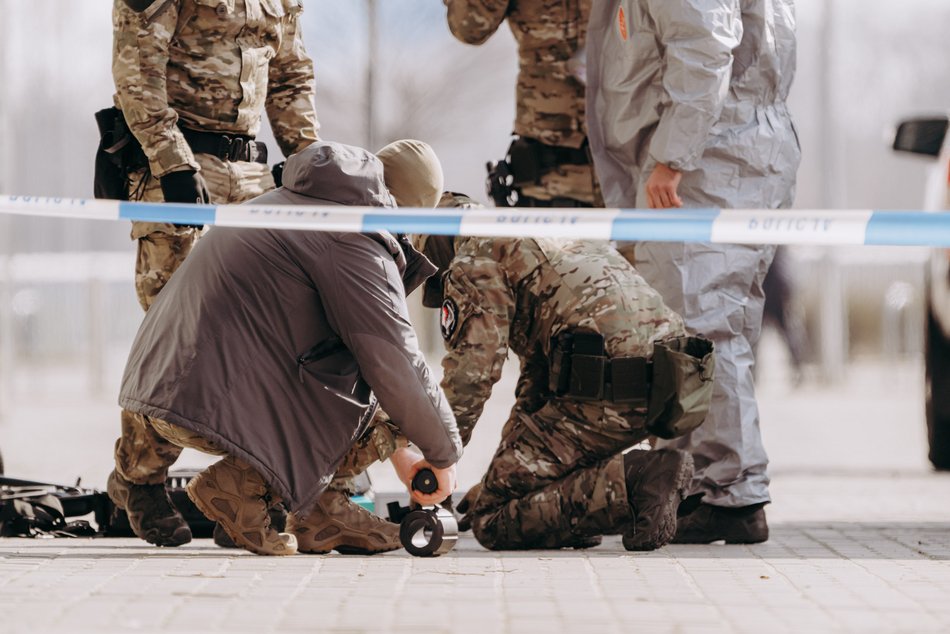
(270, 347)
(604, 364)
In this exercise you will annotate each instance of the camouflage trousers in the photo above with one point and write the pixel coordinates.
(141, 455)
(377, 444)
(184, 438)
(146, 449)
(557, 476)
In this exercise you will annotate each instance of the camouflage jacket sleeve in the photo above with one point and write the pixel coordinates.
(476, 315)
(139, 63)
(474, 21)
(290, 90)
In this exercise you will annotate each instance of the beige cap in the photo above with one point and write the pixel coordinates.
(412, 173)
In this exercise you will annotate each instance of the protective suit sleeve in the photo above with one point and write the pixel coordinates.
(365, 303)
(139, 64)
(474, 21)
(290, 88)
(477, 343)
(698, 37)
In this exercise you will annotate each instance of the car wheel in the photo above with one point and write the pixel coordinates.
(937, 353)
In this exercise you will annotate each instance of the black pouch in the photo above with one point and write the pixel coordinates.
(630, 381)
(578, 366)
(525, 161)
(118, 155)
(559, 376)
(682, 387)
(588, 364)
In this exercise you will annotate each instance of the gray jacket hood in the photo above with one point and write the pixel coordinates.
(334, 173)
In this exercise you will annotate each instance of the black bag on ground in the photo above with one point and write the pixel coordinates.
(32, 509)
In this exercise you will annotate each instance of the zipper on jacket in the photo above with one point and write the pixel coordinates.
(322, 350)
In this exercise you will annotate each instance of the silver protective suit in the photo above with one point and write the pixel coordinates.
(700, 85)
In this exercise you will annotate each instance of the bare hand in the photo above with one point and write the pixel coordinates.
(407, 462)
(661, 188)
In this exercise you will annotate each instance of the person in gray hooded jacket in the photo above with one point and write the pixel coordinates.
(270, 347)
(687, 107)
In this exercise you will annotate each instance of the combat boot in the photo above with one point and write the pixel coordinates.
(337, 523)
(466, 506)
(151, 513)
(579, 542)
(278, 521)
(734, 525)
(657, 481)
(235, 495)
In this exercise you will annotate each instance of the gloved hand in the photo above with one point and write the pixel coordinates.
(466, 506)
(278, 173)
(185, 187)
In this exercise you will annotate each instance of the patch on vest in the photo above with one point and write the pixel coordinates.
(622, 23)
(448, 318)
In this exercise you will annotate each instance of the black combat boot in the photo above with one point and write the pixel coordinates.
(657, 481)
(580, 542)
(705, 523)
(150, 511)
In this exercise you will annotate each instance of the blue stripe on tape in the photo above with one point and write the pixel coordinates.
(414, 223)
(673, 225)
(168, 212)
(908, 228)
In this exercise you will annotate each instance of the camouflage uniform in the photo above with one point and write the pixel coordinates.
(558, 473)
(550, 92)
(381, 439)
(208, 66)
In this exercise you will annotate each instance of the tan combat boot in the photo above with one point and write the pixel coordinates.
(235, 495)
(337, 523)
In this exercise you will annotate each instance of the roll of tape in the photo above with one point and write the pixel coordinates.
(429, 532)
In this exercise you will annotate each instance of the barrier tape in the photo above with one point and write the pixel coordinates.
(756, 226)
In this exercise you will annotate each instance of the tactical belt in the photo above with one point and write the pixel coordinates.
(560, 201)
(550, 156)
(580, 370)
(227, 147)
(623, 380)
(529, 159)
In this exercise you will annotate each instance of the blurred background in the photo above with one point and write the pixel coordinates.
(389, 69)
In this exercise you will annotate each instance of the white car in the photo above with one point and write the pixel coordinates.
(928, 136)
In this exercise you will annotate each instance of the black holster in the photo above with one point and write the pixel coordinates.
(525, 162)
(119, 154)
(500, 184)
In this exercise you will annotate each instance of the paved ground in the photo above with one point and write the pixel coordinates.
(860, 542)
